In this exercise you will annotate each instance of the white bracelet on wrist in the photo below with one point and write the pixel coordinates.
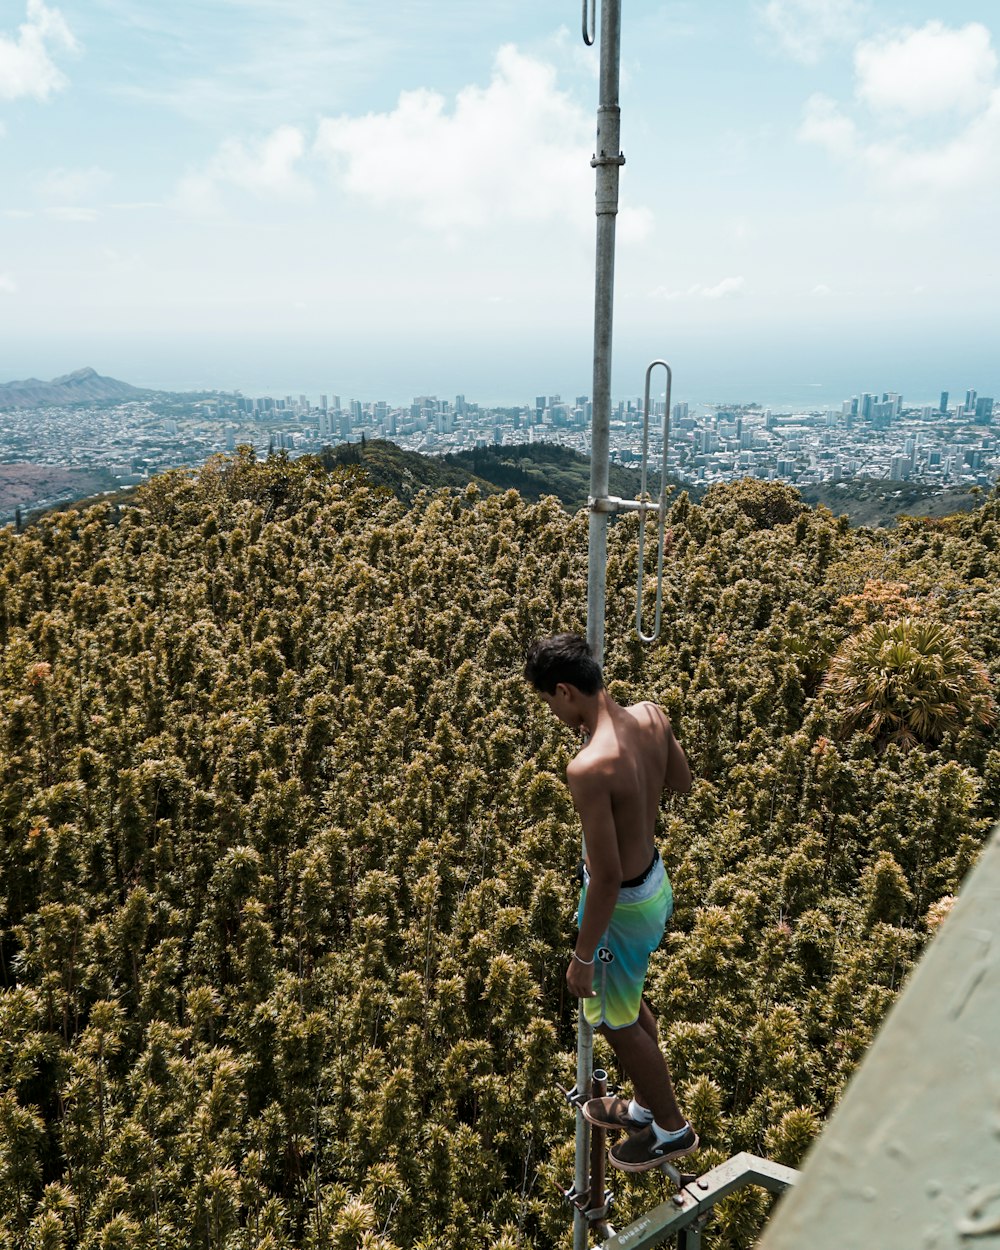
(587, 963)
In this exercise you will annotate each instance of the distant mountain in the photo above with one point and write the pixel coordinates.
(537, 469)
(405, 473)
(83, 386)
(532, 469)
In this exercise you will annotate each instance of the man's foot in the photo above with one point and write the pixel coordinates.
(641, 1151)
(611, 1113)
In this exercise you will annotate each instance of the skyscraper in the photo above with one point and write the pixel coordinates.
(944, 404)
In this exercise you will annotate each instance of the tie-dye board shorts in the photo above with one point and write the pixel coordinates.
(622, 955)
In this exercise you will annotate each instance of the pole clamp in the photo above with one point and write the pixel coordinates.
(597, 161)
(601, 1213)
(573, 1096)
(576, 1198)
(611, 503)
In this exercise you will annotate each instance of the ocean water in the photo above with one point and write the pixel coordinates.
(774, 369)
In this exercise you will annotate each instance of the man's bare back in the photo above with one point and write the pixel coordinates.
(633, 752)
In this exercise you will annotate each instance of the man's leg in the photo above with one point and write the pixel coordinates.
(646, 1021)
(637, 1050)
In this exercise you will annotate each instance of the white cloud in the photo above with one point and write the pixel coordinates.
(903, 86)
(267, 168)
(823, 123)
(725, 289)
(63, 212)
(821, 290)
(635, 225)
(7, 284)
(516, 150)
(920, 73)
(26, 64)
(804, 28)
(73, 185)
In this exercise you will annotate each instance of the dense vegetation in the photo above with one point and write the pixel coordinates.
(287, 854)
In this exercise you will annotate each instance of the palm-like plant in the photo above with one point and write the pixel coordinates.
(907, 681)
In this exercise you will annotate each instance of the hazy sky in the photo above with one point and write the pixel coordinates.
(392, 197)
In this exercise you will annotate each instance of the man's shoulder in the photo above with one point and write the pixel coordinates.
(648, 710)
(649, 705)
(590, 765)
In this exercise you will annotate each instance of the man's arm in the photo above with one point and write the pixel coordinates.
(678, 774)
(591, 793)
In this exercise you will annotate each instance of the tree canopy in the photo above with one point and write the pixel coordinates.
(287, 855)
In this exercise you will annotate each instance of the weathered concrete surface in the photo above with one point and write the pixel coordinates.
(911, 1158)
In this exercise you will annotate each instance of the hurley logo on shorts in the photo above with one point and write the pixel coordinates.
(605, 956)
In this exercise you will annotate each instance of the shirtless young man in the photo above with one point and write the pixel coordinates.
(629, 757)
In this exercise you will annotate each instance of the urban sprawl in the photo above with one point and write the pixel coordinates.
(952, 443)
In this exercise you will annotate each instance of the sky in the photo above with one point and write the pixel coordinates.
(389, 198)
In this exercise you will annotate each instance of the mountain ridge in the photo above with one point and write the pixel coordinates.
(84, 385)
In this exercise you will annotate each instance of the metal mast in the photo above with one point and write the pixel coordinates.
(607, 162)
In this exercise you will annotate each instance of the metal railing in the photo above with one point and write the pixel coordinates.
(661, 506)
(685, 1214)
(589, 22)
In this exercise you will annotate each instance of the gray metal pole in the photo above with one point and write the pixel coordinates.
(607, 162)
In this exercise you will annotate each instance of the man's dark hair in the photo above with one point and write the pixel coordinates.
(562, 658)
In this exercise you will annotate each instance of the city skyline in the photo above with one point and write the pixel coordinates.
(234, 195)
(52, 454)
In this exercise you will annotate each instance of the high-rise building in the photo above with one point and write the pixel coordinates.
(943, 408)
(970, 401)
(323, 406)
(984, 410)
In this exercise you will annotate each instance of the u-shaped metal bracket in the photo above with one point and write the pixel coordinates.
(661, 508)
(589, 22)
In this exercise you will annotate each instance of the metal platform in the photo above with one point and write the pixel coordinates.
(911, 1158)
(683, 1215)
